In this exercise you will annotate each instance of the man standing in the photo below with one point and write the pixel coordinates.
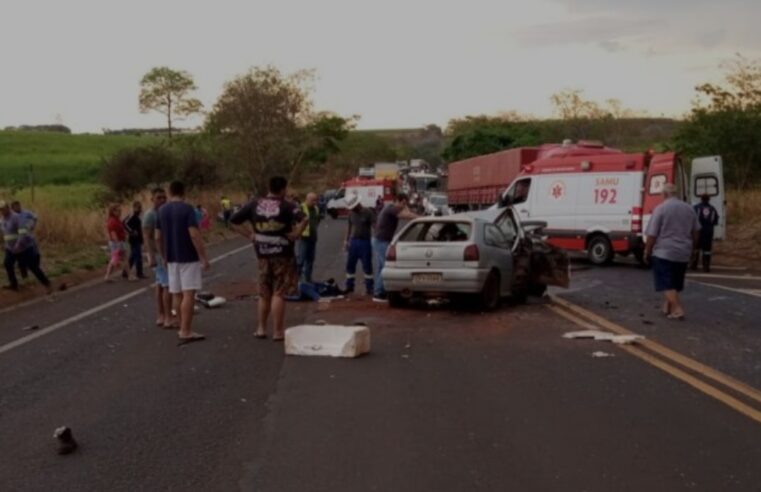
(388, 220)
(306, 248)
(277, 224)
(671, 233)
(134, 225)
(358, 243)
(163, 298)
(20, 247)
(30, 221)
(708, 217)
(182, 249)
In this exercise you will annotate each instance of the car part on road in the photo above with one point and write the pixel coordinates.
(66, 442)
(327, 340)
(604, 336)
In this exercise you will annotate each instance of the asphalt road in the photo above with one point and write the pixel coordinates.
(446, 400)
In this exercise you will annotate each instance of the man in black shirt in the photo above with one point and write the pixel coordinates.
(277, 223)
(134, 225)
(358, 243)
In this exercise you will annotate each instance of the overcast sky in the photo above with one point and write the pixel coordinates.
(397, 63)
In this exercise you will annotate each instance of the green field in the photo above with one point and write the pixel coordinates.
(57, 158)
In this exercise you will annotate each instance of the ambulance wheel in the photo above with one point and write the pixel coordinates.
(599, 250)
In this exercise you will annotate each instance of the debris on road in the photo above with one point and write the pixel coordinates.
(66, 442)
(30, 328)
(600, 354)
(604, 336)
(327, 340)
(214, 302)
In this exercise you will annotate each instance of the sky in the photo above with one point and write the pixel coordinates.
(396, 63)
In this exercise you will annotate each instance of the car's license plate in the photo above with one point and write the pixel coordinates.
(426, 278)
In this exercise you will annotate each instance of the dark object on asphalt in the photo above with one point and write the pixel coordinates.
(63, 286)
(204, 296)
(66, 442)
(31, 328)
(647, 322)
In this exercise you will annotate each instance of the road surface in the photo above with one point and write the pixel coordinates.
(447, 400)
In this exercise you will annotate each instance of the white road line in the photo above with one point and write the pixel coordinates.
(748, 292)
(726, 277)
(84, 314)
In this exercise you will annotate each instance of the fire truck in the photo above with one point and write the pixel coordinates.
(368, 191)
(599, 200)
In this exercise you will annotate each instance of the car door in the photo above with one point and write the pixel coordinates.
(707, 178)
(499, 254)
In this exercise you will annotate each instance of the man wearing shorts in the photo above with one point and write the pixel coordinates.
(277, 224)
(671, 234)
(163, 298)
(184, 254)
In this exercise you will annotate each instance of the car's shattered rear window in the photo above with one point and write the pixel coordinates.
(441, 232)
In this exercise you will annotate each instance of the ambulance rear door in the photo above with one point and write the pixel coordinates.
(707, 178)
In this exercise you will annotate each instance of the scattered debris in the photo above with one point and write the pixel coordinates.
(604, 336)
(66, 442)
(214, 302)
(327, 340)
(31, 328)
(204, 296)
(63, 286)
(717, 298)
(600, 354)
(405, 356)
(243, 400)
(647, 322)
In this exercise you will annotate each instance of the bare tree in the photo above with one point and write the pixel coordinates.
(168, 92)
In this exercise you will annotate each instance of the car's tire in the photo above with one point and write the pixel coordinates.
(490, 294)
(396, 300)
(599, 250)
(537, 290)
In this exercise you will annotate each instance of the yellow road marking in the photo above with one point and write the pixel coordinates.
(677, 373)
(666, 352)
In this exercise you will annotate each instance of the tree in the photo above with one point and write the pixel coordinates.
(168, 92)
(726, 120)
(266, 117)
(478, 135)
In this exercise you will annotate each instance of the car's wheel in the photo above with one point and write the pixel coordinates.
(490, 295)
(599, 250)
(395, 300)
(333, 213)
(537, 290)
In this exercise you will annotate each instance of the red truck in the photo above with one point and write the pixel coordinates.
(478, 182)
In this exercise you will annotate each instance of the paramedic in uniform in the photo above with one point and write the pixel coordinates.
(671, 234)
(708, 218)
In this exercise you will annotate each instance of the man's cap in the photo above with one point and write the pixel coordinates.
(352, 201)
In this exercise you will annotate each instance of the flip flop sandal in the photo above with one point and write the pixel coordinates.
(195, 337)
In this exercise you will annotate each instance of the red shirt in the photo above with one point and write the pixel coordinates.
(114, 225)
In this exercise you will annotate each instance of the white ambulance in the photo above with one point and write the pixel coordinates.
(599, 200)
(368, 190)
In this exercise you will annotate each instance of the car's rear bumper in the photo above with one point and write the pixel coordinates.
(461, 280)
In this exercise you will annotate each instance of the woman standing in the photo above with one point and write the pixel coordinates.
(116, 237)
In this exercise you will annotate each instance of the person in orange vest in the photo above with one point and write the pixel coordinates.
(306, 248)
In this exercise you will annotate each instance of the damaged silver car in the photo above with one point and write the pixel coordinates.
(482, 256)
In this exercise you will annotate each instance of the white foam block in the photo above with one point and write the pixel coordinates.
(327, 340)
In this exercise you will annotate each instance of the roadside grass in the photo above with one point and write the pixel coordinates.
(743, 229)
(58, 158)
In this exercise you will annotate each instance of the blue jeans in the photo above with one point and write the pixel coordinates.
(379, 254)
(360, 250)
(306, 249)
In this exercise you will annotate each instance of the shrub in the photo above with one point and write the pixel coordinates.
(131, 170)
